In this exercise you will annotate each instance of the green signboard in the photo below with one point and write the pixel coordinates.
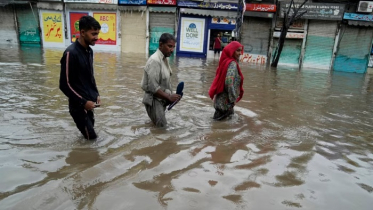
(155, 33)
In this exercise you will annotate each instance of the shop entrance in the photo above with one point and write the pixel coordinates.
(226, 37)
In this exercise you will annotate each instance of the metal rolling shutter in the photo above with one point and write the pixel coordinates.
(7, 25)
(354, 49)
(320, 44)
(160, 23)
(290, 52)
(133, 31)
(255, 35)
(28, 24)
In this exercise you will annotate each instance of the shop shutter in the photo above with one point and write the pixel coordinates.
(133, 32)
(160, 23)
(255, 35)
(28, 26)
(354, 49)
(290, 52)
(7, 25)
(319, 44)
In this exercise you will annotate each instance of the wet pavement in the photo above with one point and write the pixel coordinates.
(297, 140)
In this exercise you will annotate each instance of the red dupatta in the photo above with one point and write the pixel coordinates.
(226, 58)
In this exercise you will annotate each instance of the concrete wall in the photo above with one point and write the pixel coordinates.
(133, 32)
(7, 26)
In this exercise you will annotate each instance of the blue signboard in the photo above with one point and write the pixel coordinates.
(208, 5)
(132, 2)
(354, 16)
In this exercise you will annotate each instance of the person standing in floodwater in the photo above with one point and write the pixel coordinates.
(156, 81)
(226, 89)
(217, 46)
(77, 79)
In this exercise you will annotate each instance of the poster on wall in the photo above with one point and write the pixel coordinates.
(52, 25)
(155, 34)
(108, 32)
(74, 24)
(192, 34)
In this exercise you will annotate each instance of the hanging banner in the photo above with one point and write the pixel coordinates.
(108, 32)
(132, 2)
(52, 25)
(192, 34)
(261, 7)
(162, 2)
(74, 24)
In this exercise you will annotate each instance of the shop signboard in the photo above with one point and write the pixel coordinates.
(289, 35)
(162, 2)
(218, 20)
(108, 32)
(155, 34)
(207, 5)
(92, 1)
(321, 11)
(132, 2)
(298, 24)
(192, 34)
(360, 17)
(74, 24)
(52, 25)
(261, 7)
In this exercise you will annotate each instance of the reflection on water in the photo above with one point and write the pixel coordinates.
(296, 140)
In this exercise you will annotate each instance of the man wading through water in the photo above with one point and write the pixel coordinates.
(156, 81)
(77, 81)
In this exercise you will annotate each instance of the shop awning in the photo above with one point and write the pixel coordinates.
(50, 6)
(91, 6)
(360, 23)
(212, 13)
(162, 9)
(132, 8)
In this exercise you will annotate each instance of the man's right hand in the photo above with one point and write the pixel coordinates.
(174, 97)
(90, 105)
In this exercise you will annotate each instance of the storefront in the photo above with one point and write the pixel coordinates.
(7, 24)
(134, 17)
(355, 43)
(28, 24)
(162, 19)
(316, 49)
(105, 12)
(256, 32)
(198, 28)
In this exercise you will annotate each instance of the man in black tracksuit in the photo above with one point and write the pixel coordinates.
(77, 79)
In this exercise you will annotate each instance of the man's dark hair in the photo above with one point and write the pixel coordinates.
(87, 23)
(166, 37)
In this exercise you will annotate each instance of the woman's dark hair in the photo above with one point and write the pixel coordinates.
(166, 37)
(88, 22)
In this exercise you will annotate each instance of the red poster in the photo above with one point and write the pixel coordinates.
(162, 2)
(74, 24)
(261, 7)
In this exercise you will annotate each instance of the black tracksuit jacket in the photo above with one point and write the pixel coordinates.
(77, 79)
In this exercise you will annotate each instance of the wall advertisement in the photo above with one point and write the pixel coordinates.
(52, 25)
(192, 34)
(108, 32)
(74, 24)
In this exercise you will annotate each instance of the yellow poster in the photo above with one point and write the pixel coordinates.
(108, 33)
(52, 27)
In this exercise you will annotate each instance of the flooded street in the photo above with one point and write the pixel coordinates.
(297, 140)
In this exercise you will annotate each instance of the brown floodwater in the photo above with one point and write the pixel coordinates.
(297, 140)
